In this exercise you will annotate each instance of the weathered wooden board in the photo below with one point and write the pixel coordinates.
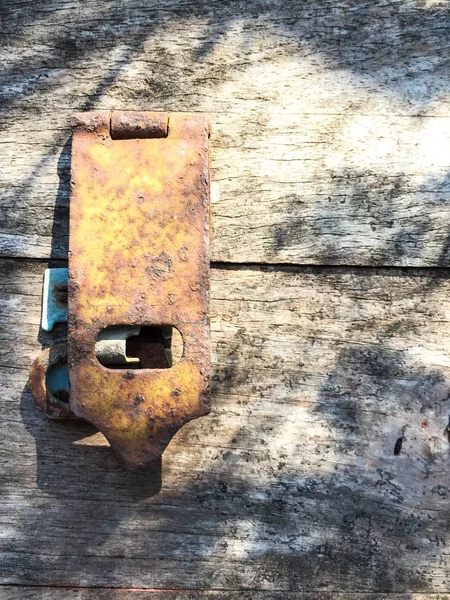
(323, 470)
(331, 120)
(291, 484)
(34, 593)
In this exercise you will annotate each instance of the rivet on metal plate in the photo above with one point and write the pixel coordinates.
(138, 290)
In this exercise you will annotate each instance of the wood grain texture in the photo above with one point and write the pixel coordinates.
(43, 593)
(331, 122)
(323, 471)
(291, 484)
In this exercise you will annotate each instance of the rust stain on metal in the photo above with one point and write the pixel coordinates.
(139, 255)
(55, 405)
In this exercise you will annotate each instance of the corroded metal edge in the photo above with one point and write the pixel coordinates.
(54, 407)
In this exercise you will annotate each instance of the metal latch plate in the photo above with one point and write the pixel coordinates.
(139, 256)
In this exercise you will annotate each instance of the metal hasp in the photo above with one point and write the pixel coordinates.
(139, 258)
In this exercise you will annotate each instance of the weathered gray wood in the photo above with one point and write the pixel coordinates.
(42, 593)
(331, 120)
(331, 143)
(291, 484)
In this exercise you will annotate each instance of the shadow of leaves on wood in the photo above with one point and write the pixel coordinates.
(362, 210)
(275, 507)
(277, 527)
(399, 50)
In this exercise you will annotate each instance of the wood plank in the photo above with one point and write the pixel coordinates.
(42, 593)
(291, 484)
(331, 122)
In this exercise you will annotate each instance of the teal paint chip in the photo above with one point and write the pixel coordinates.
(57, 379)
(53, 311)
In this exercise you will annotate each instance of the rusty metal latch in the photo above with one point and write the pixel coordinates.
(138, 282)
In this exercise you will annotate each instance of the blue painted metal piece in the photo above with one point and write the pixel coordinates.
(53, 310)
